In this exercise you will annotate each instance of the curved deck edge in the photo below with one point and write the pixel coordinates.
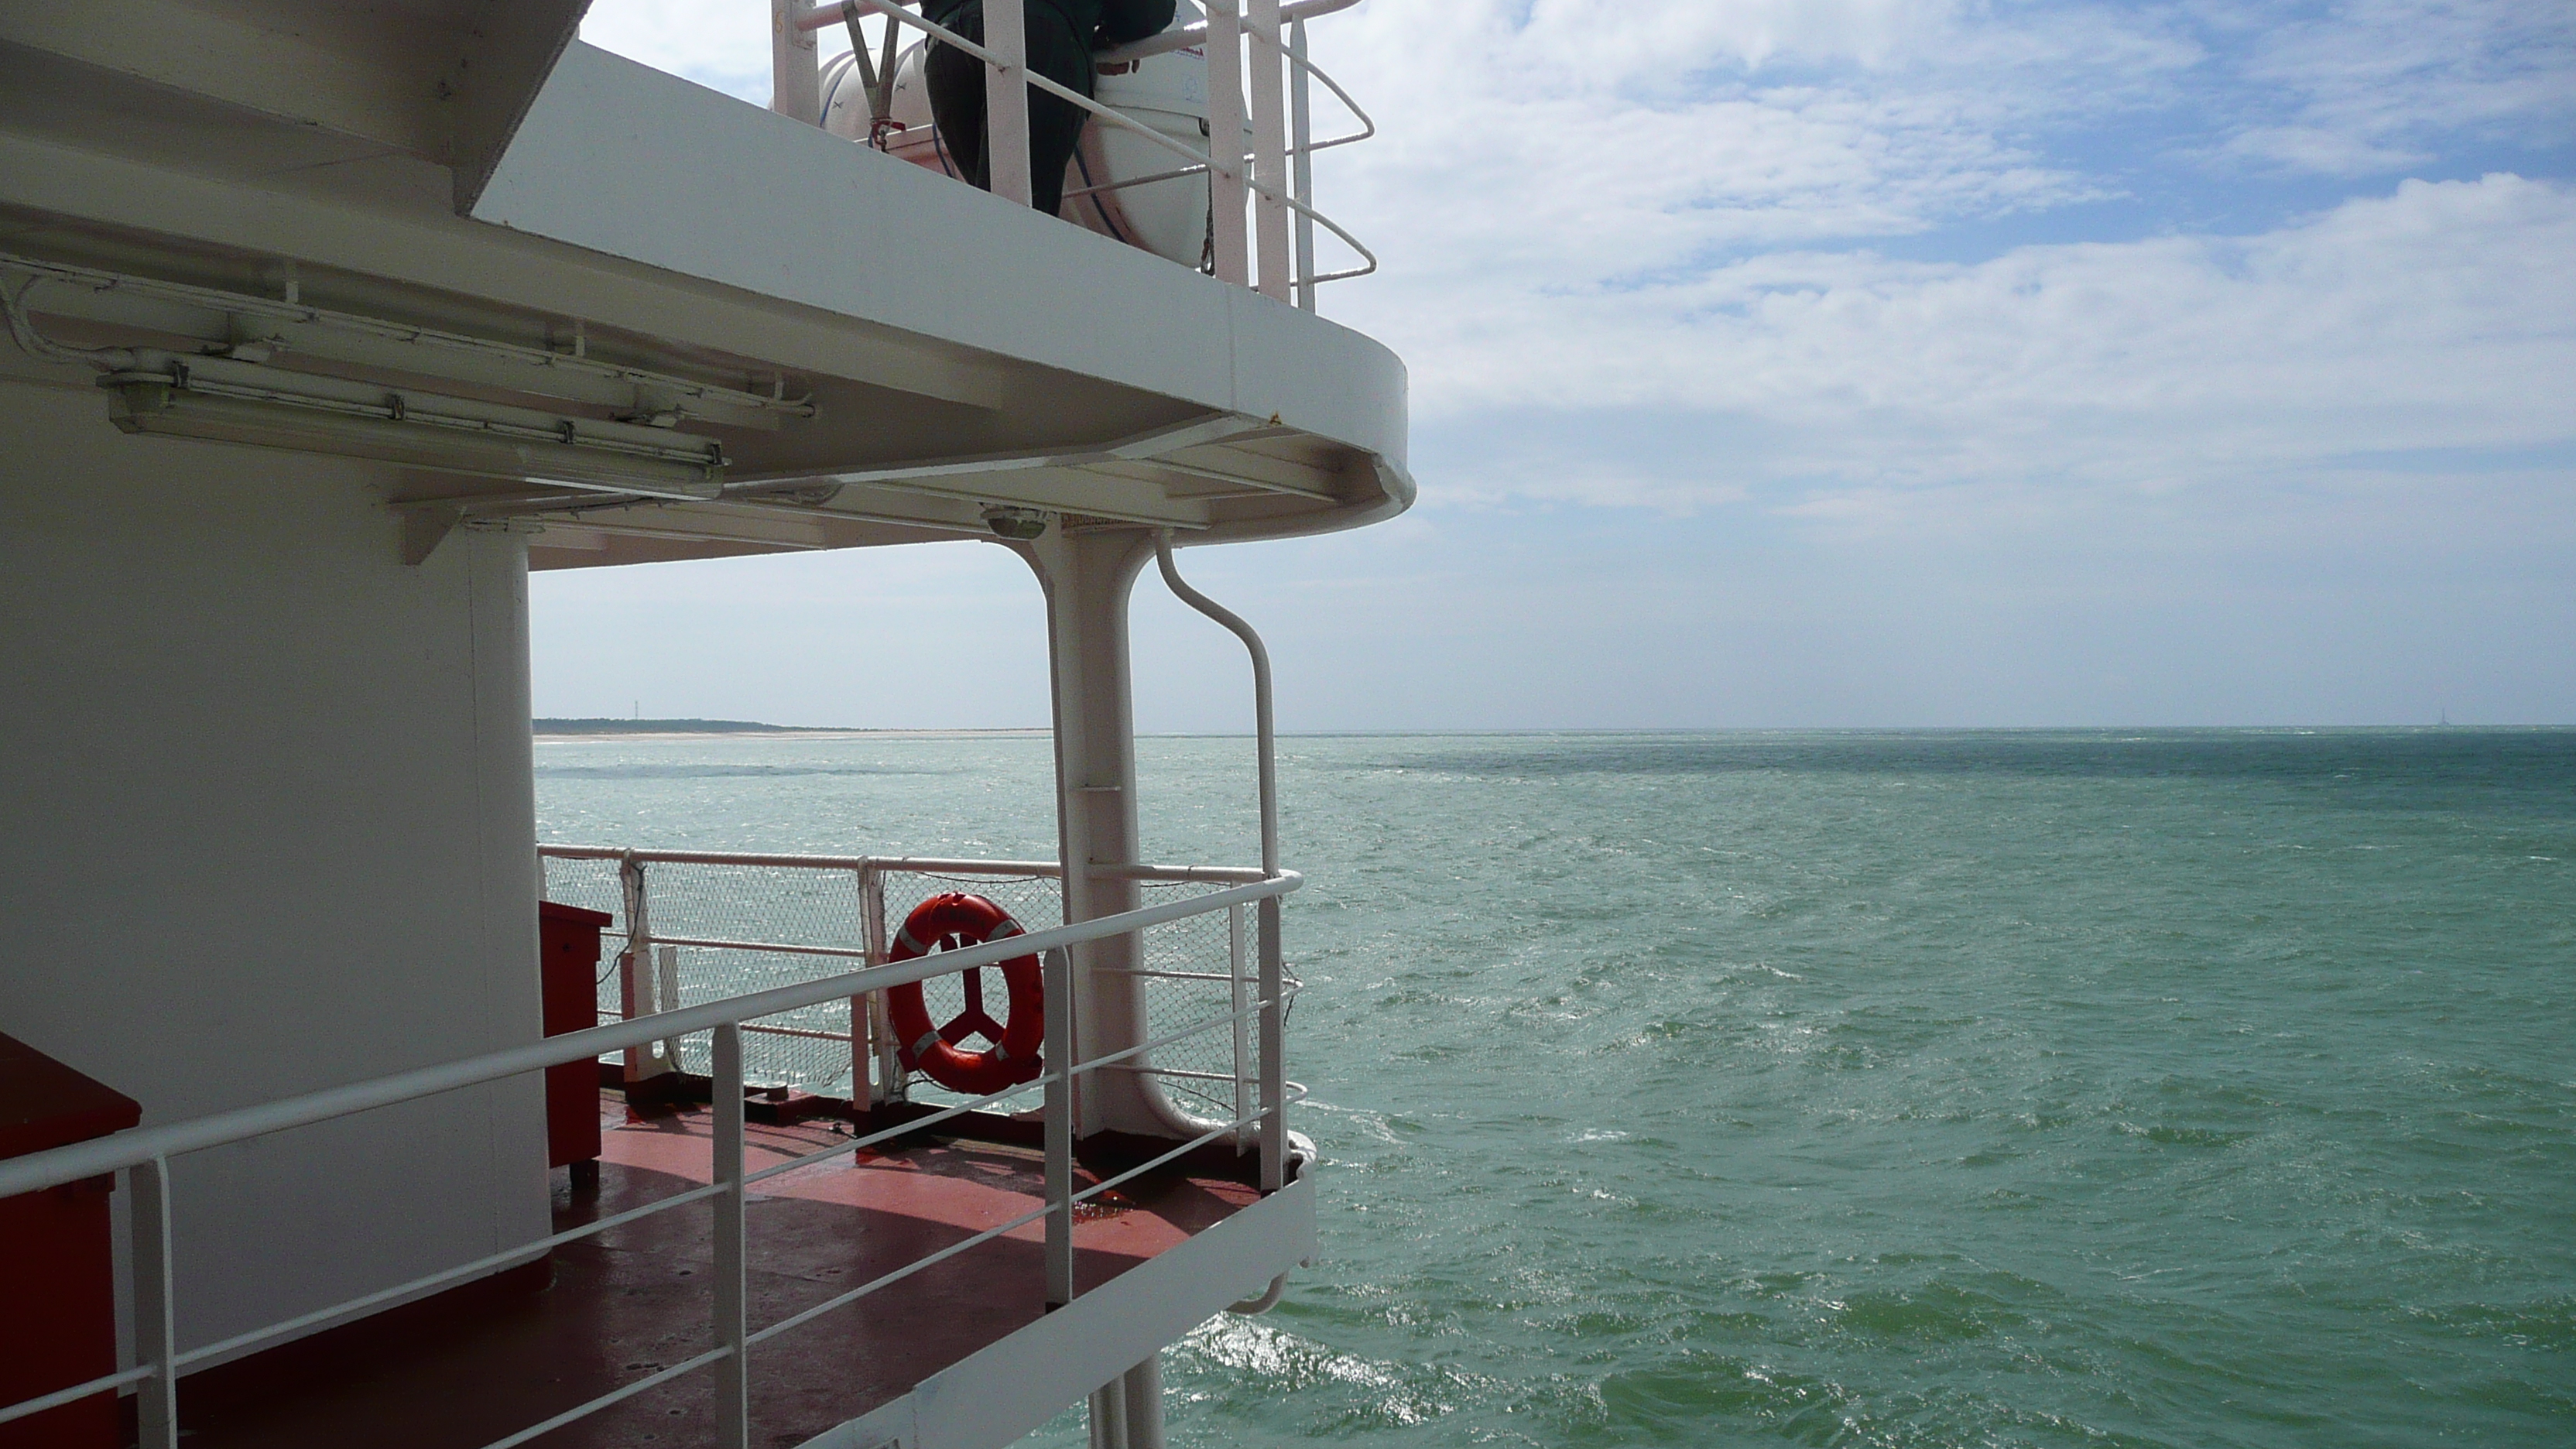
(1010, 1388)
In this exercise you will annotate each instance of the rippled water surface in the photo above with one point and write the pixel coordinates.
(2179, 1088)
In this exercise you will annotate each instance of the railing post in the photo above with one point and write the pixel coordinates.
(639, 962)
(1270, 149)
(862, 1025)
(1274, 1081)
(1059, 1128)
(156, 1399)
(891, 1085)
(1225, 141)
(795, 77)
(1241, 987)
(1301, 124)
(1006, 100)
(666, 970)
(733, 1375)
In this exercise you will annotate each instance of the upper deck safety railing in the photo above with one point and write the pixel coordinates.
(143, 1156)
(1279, 182)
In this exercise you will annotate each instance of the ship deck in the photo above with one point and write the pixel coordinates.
(477, 1364)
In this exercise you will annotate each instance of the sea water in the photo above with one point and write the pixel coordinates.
(2097, 1088)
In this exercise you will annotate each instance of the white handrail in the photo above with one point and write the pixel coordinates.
(1266, 186)
(145, 1153)
(1192, 36)
(156, 1378)
(917, 864)
(57, 1166)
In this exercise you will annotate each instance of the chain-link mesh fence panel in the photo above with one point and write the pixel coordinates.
(768, 905)
(1197, 946)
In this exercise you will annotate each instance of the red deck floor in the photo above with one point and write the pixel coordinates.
(475, 1365)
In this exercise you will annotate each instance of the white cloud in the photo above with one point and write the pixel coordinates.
(2323, 150)
(2442, 315)
(2379, 77)
(719, 43)
(1690, 219)
(1598, 140)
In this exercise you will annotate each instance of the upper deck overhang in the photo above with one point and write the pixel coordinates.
(955, 351)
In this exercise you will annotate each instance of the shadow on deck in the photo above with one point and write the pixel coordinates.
(486, 1360)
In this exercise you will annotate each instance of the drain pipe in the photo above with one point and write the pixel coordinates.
(1266, 738)
(1273, 1107)
(1274, 1097)
(1263, 1301)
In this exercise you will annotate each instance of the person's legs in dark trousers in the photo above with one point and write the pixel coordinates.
(956, 82)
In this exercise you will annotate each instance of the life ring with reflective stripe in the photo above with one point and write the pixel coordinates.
(948, 922)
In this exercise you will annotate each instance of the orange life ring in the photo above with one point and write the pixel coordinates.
(947, 922)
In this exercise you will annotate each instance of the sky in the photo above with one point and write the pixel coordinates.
(1832, 363)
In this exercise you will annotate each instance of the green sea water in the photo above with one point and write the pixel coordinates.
(2088, 1088)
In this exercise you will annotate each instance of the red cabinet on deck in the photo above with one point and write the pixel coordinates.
(568, 943)
(57, 1268)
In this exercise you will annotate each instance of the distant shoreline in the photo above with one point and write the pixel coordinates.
(714, 729)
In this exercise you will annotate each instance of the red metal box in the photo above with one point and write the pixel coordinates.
(57, 1267)
(568, 941)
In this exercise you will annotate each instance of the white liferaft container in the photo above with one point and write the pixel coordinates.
(1167, 92)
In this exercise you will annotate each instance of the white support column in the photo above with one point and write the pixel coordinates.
(1108, 1417)
(795, 75)
(1142, 1386)
(1225, 141)
(1088, 580)
(1270, 149)
(1127, 1411)
(1006, 100)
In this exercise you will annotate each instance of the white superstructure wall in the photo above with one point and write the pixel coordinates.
(266, 825)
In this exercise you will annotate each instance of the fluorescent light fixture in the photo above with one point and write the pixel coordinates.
(232, 401)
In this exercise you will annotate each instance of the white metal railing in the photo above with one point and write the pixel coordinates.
(1279, 184)
(143, 1156)
(669, 940)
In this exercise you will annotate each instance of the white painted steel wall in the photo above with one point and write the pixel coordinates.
(265, 809)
